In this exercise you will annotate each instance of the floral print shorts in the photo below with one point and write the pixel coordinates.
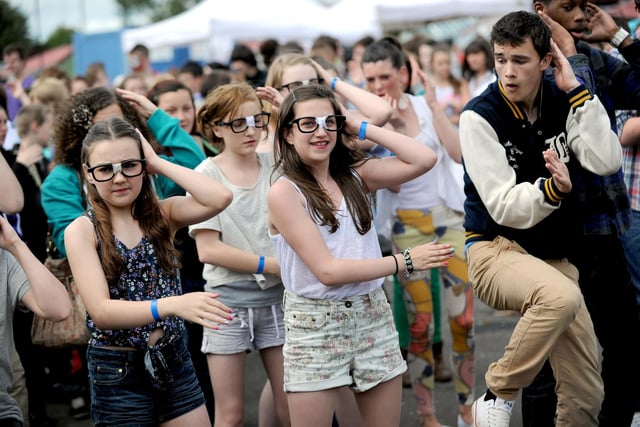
(335, 343)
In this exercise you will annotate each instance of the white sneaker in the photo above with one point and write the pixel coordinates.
(635, 422)
(491, 413)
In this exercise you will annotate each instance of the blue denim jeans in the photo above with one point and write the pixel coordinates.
(631, 242)
(121, 390)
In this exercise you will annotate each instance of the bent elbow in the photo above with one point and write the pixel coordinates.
(327, 278)
(382, 117)
(427, 162)
(62, 312)
(227, 199)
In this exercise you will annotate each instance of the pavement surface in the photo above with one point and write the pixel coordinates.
(492, 332)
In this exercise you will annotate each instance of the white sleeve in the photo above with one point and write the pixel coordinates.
(513, 205)
(591, 139)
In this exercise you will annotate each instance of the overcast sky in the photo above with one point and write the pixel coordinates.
(45, 16)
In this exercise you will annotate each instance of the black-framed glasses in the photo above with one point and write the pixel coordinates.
(258, 121)
(106, 171)
(310, 124)
(291, 86)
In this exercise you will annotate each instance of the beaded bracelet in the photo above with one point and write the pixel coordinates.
(408, 263)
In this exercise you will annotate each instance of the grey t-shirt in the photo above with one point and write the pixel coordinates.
(242, 225)
(13, 286)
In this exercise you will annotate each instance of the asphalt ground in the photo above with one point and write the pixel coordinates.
(492, 331)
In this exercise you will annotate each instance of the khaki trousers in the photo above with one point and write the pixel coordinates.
(554, 324)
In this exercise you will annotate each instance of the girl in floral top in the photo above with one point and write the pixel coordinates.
(126, 269)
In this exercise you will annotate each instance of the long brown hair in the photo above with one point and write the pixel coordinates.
(342, 163)
(145, 208)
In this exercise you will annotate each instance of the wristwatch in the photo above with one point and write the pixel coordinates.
(619, 37)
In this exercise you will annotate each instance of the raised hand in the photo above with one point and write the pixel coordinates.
(601, 26)
(558, 169)
(560, 35)
(141, 103)
(271, 95)
(562, 71)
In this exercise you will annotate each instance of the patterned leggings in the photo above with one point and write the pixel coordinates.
(414, 227)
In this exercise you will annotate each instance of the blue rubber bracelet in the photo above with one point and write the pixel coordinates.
(333, 82)
(154, 310)
(363, 131)
(260, 265)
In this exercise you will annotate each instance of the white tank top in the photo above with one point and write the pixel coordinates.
(346, 242)
(422, 191)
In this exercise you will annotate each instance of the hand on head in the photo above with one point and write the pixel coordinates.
(141, 103)
(271, 95)
(562, 71)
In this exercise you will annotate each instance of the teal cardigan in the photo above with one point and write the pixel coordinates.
(62, 196)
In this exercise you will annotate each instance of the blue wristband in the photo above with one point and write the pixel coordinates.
(260, 265)
(154, 310)
(363, 131)
(333, 82)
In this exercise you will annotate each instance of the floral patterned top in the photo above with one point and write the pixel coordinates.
(142, 279)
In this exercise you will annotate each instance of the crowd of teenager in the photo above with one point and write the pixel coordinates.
(261, 205)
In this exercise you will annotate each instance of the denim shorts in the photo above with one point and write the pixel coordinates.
(335, 343)
(251, 329)
(121, 390)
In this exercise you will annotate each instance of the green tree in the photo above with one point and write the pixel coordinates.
(164, 9)
(59, 37)
(129, 6)
(157, 9)
(13, 26)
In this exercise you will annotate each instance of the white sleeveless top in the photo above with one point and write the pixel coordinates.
(442, 184)
(346, 242)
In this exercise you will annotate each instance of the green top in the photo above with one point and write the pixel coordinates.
(62, 196)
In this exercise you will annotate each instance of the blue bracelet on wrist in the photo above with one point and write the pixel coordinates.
(362, 135)
(333, 82)
(154, 310)
(260, 265)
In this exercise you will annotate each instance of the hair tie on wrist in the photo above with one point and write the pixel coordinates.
(260, 265)
(396, 261)
(362, 135)
(333, 83)
(154, 310)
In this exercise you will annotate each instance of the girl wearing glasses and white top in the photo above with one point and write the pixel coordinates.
(125, 266)
(339, 328)
(291, 70)
(240, 261)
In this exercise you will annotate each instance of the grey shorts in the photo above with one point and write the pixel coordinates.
(251, 329)
(333, 343)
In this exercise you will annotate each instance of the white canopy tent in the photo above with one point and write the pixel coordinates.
(285, 20)
(189, 27)
(394, 11)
